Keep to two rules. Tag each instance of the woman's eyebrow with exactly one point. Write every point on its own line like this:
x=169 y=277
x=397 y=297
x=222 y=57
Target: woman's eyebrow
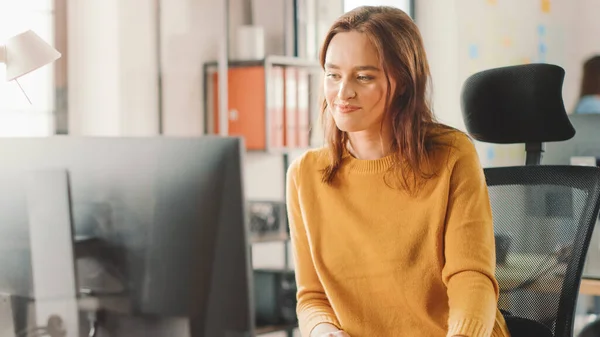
x=360 y=68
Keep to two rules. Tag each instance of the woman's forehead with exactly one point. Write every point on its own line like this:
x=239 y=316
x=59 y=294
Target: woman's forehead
x=351 y=49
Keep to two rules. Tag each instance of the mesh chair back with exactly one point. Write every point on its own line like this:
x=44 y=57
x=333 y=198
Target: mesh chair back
x=543 y=220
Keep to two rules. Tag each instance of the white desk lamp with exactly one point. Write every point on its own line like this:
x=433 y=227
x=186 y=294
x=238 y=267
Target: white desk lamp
x=25 y=53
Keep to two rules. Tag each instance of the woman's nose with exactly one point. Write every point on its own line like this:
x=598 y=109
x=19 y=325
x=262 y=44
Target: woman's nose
x=346 y=91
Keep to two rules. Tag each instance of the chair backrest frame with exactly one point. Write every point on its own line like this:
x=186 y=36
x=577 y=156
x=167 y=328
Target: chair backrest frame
x=577 y=177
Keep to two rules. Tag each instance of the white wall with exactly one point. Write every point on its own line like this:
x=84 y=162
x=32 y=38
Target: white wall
x=112 y=69
x=437 y=20
x=138 y=68
x=189 y=38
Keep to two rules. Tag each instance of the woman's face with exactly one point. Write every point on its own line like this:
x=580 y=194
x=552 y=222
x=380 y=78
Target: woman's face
x=355 y=85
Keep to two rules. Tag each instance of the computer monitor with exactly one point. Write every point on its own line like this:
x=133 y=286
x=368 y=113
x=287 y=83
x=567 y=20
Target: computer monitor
x=166 y=215
x=586 y=142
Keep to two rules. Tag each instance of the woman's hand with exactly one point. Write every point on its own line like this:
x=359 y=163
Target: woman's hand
x=328 y=330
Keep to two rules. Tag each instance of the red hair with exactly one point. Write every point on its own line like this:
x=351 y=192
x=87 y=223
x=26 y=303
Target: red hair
x=402 y=55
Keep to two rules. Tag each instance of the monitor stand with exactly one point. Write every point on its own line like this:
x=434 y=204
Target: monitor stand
x=7 y=323
x=52 y=252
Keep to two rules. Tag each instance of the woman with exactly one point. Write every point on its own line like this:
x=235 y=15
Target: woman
x=589 y=100
x=391 y=223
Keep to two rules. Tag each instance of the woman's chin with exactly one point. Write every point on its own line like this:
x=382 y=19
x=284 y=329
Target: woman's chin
x=349 y=128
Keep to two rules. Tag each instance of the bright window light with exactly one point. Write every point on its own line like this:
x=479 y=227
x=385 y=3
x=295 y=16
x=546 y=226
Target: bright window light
x=17 y=116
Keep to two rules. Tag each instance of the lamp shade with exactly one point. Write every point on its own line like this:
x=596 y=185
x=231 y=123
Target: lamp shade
x=26 y=52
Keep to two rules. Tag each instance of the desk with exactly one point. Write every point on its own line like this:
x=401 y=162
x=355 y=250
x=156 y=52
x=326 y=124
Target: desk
x=590 y=286
x=511 y=274
x=288 y=328
x=520 y=267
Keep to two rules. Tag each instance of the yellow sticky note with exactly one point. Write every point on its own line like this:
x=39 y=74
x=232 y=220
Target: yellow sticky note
x=507 y=42
x=546 y=6
x=491 y=2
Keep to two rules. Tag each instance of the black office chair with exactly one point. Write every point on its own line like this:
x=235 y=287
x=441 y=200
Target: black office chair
x=543 y=215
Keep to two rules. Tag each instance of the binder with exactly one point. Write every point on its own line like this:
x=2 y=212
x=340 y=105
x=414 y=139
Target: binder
x=291 y=107
x=304 y=123
x=276 y=108
x=246 y=115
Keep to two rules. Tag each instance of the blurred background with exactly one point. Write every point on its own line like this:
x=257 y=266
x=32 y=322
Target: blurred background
x=156 y=68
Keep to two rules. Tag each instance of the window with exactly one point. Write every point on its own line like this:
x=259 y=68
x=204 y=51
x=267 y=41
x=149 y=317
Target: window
x=17 y=116
x=405 y=5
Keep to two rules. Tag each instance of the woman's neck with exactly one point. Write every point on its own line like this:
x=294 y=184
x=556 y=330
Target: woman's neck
x=368 y=145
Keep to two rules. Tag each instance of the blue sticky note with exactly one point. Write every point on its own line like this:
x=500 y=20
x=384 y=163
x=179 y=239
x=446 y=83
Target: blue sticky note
x=490 y=153
x=542 y=30
x=473 y=51
x=543 y=48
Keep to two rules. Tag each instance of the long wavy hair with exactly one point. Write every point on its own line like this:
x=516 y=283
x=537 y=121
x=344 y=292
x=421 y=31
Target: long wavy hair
x=402 y=55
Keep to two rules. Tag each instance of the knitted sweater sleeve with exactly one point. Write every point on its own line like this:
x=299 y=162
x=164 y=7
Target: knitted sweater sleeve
x=469 y=249
x=313 y=305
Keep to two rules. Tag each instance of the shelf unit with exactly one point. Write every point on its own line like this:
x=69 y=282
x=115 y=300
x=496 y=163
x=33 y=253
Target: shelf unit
x=282 y=236
x=260 y=92
x=267 y=89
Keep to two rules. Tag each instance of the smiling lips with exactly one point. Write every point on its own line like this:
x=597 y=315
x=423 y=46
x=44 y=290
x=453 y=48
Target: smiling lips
x=346 y=108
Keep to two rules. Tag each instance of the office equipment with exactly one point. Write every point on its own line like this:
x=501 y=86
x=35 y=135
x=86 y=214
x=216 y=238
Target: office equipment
x=51 y=243
x=167 y=216
x=548 y=211
x=275 y=294
x=7 y=327
x=585 y=143
x=268 y=220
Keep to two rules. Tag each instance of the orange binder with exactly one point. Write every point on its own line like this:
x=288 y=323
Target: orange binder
x=246 y=115
x=249 y=109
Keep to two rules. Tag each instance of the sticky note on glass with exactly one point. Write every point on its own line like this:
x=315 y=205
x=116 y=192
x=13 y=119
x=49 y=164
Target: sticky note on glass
x=546 y=7
x=541 y=30
x=473 y=51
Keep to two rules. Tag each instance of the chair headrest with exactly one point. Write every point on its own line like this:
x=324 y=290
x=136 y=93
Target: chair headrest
x=516 y=104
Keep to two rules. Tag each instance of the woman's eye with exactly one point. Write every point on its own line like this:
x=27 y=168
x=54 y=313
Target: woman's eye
x=333 y=76
x=365 y=78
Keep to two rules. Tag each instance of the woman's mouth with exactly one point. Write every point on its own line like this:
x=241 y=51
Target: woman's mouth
x=346 y=108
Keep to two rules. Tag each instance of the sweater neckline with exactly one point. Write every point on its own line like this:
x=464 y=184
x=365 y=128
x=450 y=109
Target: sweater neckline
x=369 y=165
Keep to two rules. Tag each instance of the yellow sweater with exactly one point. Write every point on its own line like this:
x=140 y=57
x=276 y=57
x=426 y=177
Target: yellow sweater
x=376 y=262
